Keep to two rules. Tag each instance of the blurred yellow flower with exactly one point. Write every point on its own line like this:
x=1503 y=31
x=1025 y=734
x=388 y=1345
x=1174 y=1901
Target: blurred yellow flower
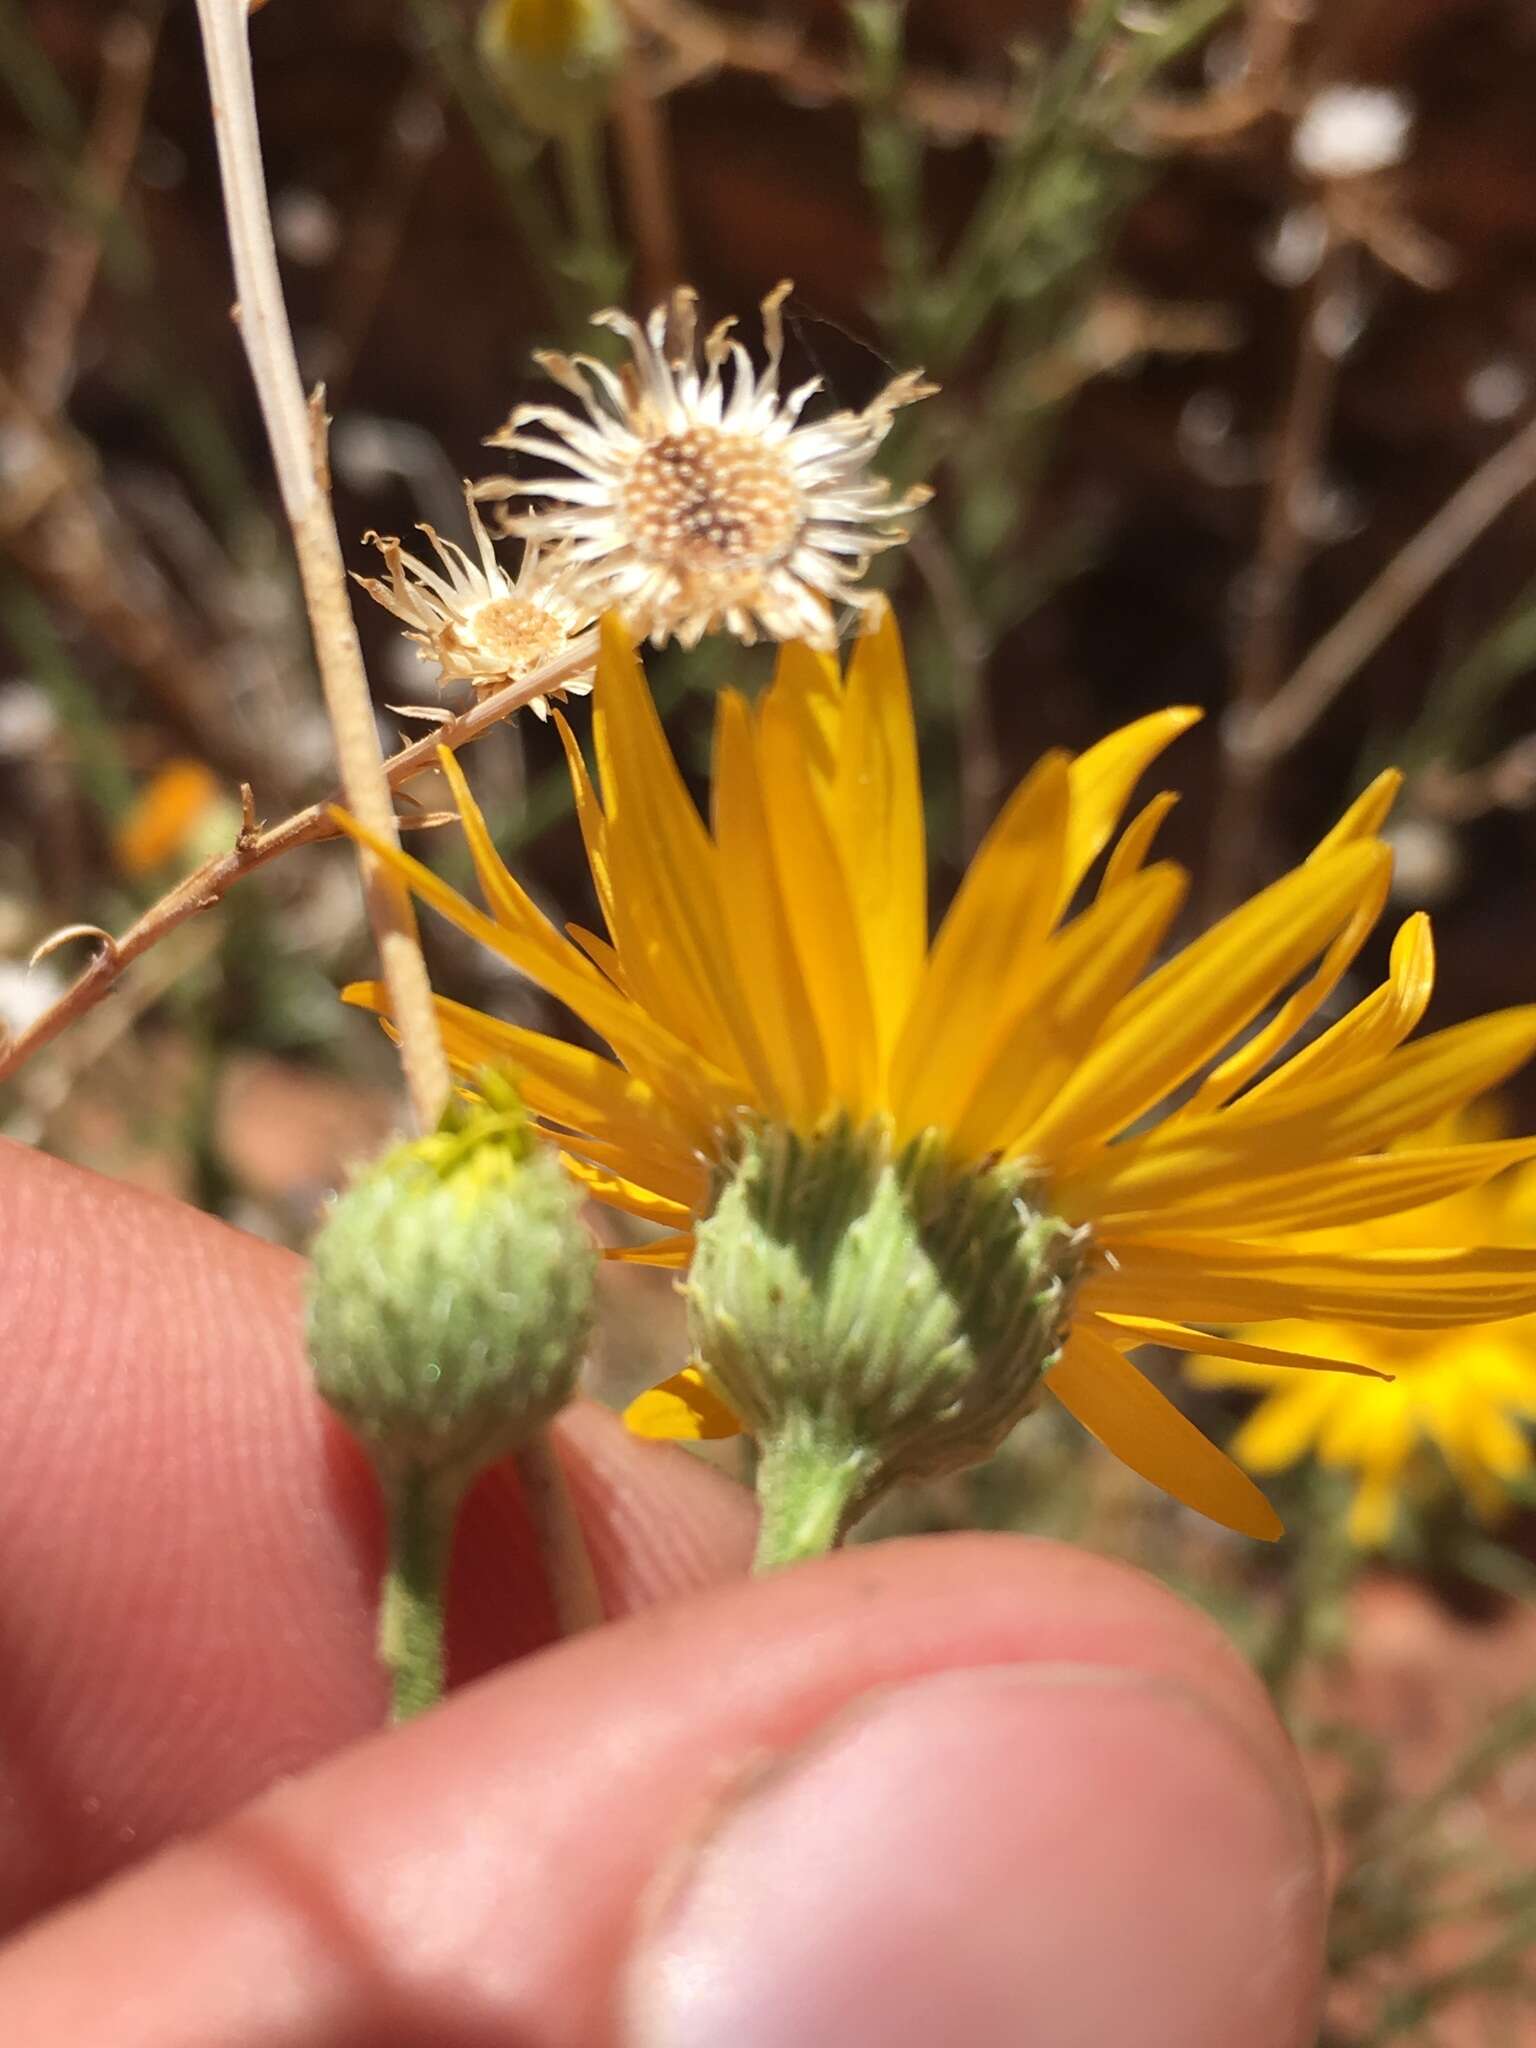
x=1459 y=1398
x=165 y=816
x=774 y=969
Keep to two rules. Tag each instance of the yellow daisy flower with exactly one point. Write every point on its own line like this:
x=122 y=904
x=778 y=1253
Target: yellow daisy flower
x=767 y=984
x=1464 y=1393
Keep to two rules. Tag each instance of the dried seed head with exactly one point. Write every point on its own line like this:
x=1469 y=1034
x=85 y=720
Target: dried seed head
x=695 y=496
x=480 y=624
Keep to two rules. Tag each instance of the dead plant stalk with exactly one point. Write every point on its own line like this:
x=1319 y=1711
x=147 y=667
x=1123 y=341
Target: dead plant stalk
x=296 y=433
x=212 y=881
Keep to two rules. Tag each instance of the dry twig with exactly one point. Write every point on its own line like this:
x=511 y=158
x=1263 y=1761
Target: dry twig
x=253 y=848
x=645 y=159
x=1264 y=649
x=697 y=42
x=296 y=432
x=1262 y=87
x=1414 y=571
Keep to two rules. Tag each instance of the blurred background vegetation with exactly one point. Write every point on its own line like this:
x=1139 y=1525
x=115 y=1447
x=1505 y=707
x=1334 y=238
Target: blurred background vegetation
x=1227 y=419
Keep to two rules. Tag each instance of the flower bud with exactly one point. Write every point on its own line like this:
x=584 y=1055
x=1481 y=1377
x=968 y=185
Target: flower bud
x=873 y=1314
x=452 y=1291
x=555 y=61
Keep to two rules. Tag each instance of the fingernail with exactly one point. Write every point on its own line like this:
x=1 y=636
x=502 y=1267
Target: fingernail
x=1058 y=1856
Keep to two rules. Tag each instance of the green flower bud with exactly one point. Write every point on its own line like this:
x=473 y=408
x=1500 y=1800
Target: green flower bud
x=452 y=1291
x=555 y=61
x=873 y=1315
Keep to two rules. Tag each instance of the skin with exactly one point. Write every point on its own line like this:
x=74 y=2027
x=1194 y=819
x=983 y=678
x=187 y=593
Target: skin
x=975 y=1788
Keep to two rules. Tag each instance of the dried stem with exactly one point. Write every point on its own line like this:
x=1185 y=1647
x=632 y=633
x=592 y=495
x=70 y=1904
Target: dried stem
x=650 y=192
x=1506 y=783
x=1264 y=651
x=1262 y=87
x=296 y=434
x=697 y=41
x=208 y=884
x=1417 y=567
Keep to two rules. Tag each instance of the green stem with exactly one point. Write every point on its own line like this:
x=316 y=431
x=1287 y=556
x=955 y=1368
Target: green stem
x=595 y=258
x=809 y=1491
x=422 y=1508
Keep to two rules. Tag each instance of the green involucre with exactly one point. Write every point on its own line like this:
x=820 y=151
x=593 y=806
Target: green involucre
x=880 y=1309
x=451 y=1292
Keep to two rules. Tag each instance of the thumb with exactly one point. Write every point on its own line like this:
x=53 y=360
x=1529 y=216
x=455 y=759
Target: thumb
x=967 y=1789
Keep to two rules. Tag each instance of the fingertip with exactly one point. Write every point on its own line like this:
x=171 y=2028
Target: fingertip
x=1062 y=1853
x=493 y=1863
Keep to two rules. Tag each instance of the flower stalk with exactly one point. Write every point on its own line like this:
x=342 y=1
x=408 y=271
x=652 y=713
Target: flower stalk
x=421 y=1507
x=450 y=1300
x=809 y=1489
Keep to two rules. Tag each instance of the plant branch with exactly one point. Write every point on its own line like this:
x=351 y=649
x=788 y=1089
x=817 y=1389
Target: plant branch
x=212 y=881
x=296 y=433
x=1264 y=650
x=650 y=188
x=1414 y=571
x=696 y=41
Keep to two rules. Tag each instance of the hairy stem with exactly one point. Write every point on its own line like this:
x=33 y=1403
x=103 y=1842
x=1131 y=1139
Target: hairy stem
x=422 y=1509
x=809 y=1492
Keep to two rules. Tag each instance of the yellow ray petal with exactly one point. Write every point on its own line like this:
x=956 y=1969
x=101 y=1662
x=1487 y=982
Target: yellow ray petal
x=991 y=939
x=1189 y=1008
x=1211 y=1280
x=879 y=812
x=683 y=1409
x=1180 y=1337
x=601 y=954
x=1327 y=1196
x=1365 y=816
x=528 y=939
x=508 y=901
x=668 y=925
x=672 y=1254
x=1135 y=842
x=1345 y=1114
x=1102 y=781
x=589 y=815
x=1141 y=1426
x=819 y=906
x=807 y=677
x=1236 y=1071
x=619 y=1192
x=1083 y=973
x=757 y=929
x=569 y=1085
x=1373 y=1028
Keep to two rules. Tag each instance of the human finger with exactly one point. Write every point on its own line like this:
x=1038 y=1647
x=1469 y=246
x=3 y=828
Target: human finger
x=970 y=1789
x=190 y=1544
